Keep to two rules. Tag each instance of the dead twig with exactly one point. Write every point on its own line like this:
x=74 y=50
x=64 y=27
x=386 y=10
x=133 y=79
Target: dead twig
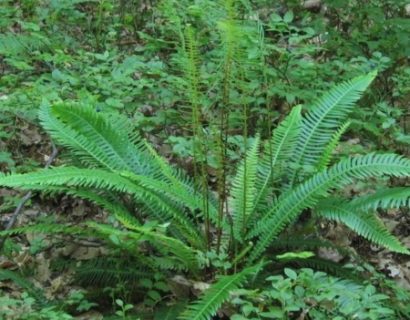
x=26 y=197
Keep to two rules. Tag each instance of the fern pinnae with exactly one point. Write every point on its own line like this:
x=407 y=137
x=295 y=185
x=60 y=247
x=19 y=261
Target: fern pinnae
x=162 y=243
x=106 y=201
x=384 y=199
x=217 y=294
x=94 y=139
x=107 y=181
x=307 y=194
x=48 y=228
x=110 y=204
x=364 y=224
x=327 y=114
x=109 y=271
x=22 y=281
x=326 y=157
x=15 y=44
x=105 y=149
x=279 y=151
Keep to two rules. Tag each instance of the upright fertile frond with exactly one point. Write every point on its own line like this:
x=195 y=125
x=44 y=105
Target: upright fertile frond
x=191 y=68
x=384 y=199
x=365 y=224
x=307 y=194
x=191 y=71
x=169 y=9
x=278 y=152
x=216 y=295
x=326 y=157
x=92 y=137
x=244 y=190
x=324 y=117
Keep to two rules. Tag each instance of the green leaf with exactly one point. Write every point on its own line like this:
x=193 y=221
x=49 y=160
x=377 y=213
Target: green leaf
x=288 y=17
x=290 y=273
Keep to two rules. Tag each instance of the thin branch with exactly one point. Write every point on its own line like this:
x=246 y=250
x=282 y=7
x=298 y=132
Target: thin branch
x=26 y=197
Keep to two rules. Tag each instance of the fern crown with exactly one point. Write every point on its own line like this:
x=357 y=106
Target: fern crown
x=276 y=181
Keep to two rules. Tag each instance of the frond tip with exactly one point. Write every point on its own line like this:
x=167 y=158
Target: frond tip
x=216 y=295
x=368 y=225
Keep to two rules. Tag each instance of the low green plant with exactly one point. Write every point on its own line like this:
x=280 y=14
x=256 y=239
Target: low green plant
x=314 y=295
x=24 y=308
x=123 y=308
x=32 y=307
x=155 y=204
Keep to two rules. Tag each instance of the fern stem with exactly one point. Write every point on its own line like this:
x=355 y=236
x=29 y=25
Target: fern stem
x=199 y=153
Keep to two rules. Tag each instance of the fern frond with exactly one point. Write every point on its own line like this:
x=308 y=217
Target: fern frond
x=324 y=117
x=306 y=243
x=325 y=159
x=183 y=187
x=163 y=243
x=96 y=140
x=110 y=271
x=69 y=176
x=216 y=295
x=22 y=282
x=278 y=152
x=383 y=199
x=365 y=224
x=12 y=44
x=307 y=194
x=328 y=266
x=158 y=204
x=244 y=190
x=46 y=228
x=119 y=211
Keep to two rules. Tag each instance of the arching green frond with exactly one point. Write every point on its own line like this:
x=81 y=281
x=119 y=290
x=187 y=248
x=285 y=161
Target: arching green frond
x=244 y=190
x=365 y=224
x=384 y=199
x=69 y=177
x=324 y=117
x=176 y=192
x=109 y=203
x=22 y=282
x=95 y=139
x=183 y=186
x=158 y=203
x=326 y=157
x=163 y=243
x=278 y=153
x=216 y=295
x=109 y=272
x=306 y=195
x=45 y=228
x=328 y=266
x=12 y=44
x=305 y=243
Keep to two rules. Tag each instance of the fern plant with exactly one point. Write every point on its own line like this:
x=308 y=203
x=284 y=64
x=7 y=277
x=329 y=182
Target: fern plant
x=275 y=183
